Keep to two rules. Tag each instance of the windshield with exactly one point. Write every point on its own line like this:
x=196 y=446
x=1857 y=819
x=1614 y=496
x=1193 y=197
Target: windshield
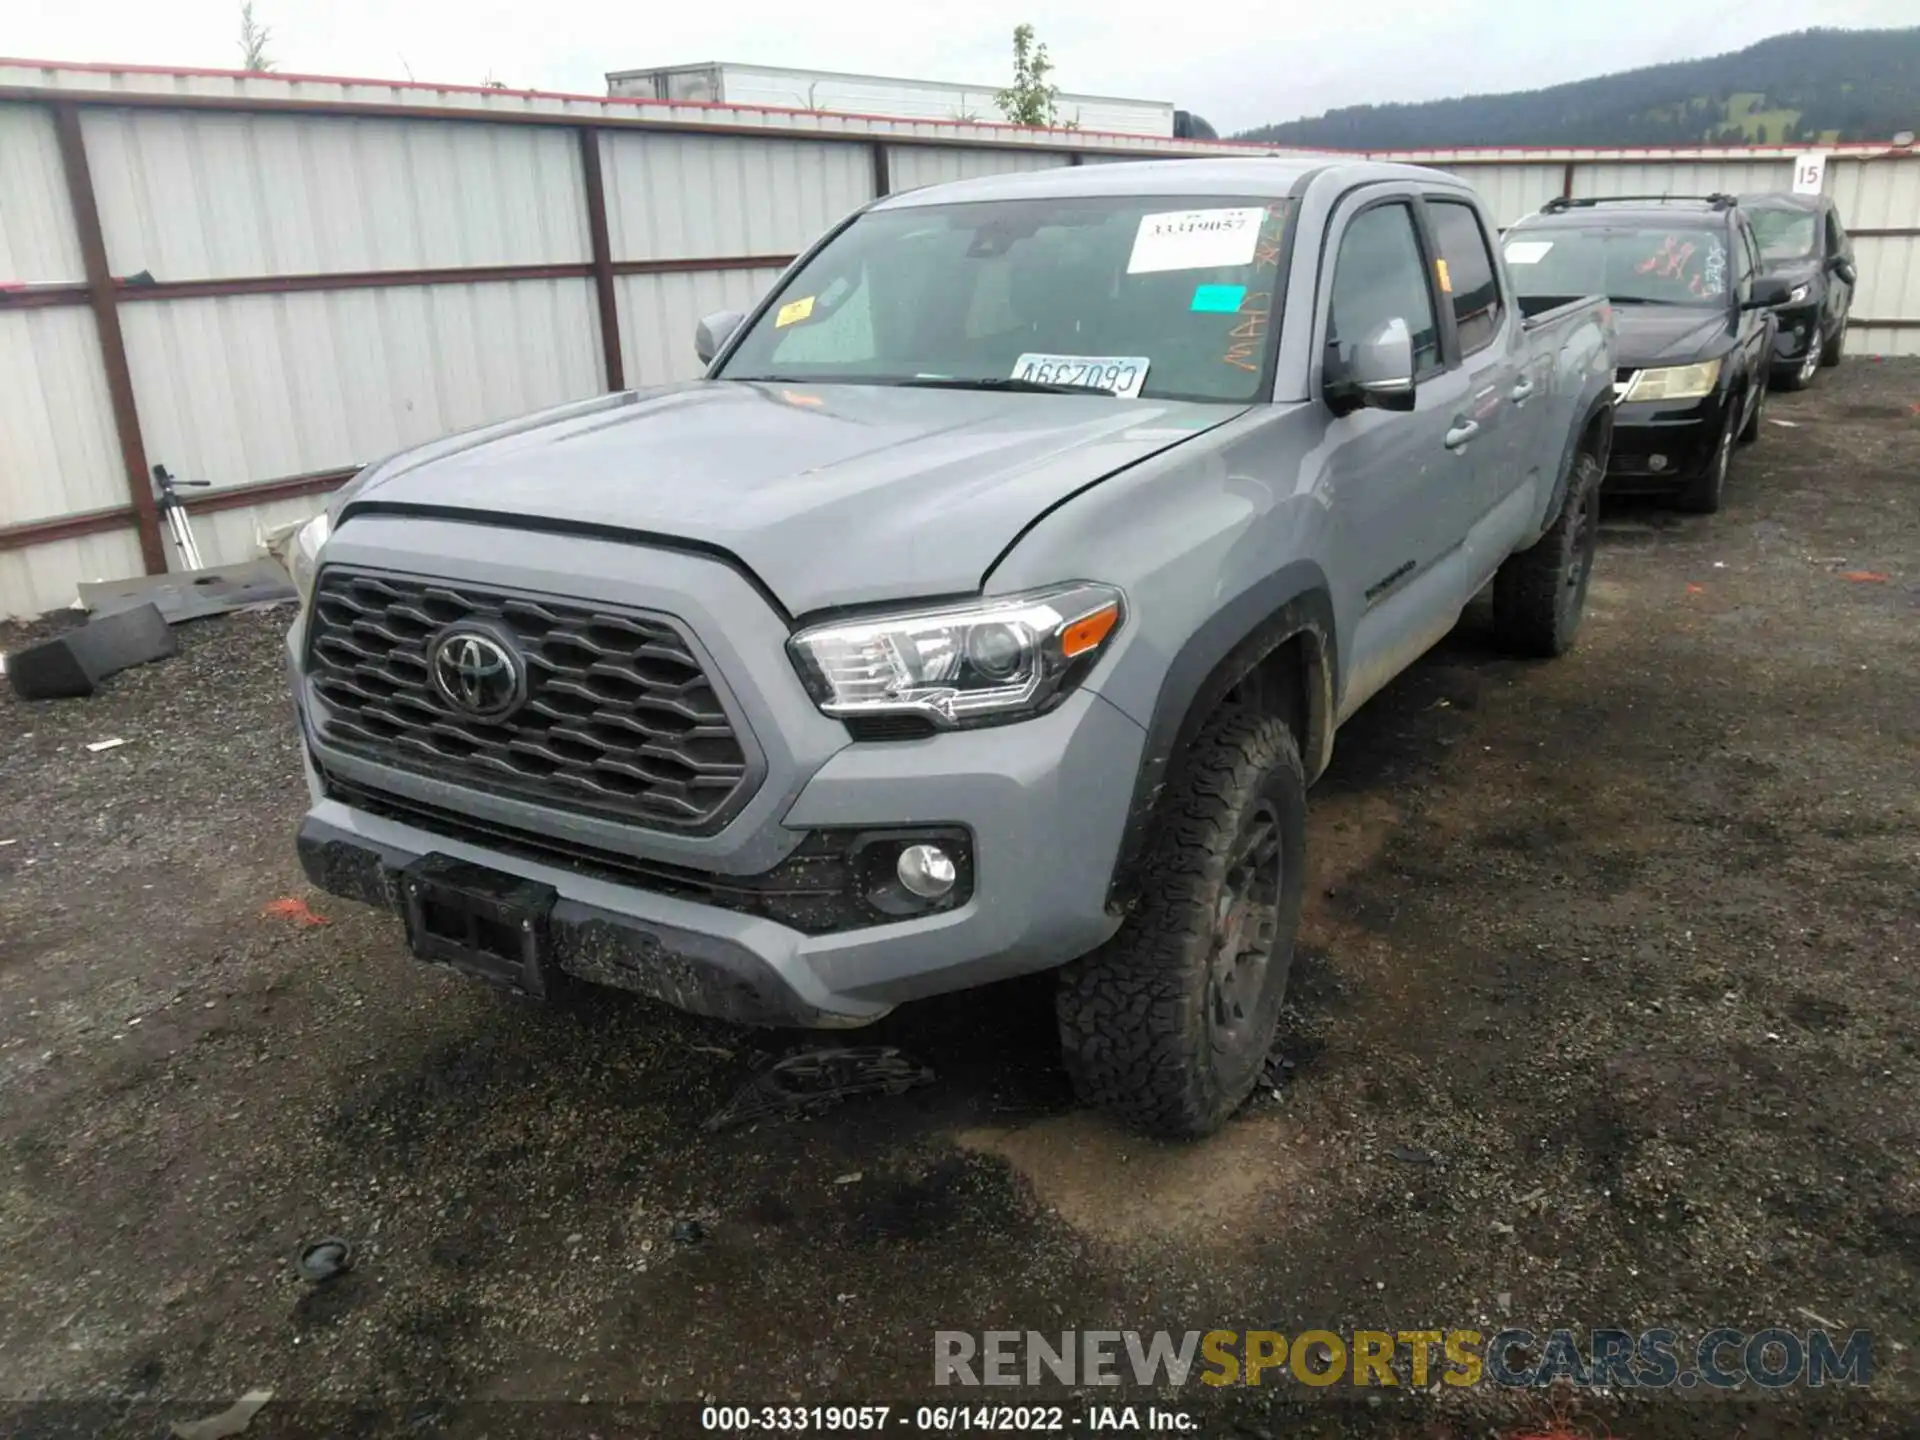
x=1786 y=234
x=1167 y=297
x=1663 y=266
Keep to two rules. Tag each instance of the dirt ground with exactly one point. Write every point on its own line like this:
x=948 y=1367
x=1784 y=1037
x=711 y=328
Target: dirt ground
x=1606 y=1017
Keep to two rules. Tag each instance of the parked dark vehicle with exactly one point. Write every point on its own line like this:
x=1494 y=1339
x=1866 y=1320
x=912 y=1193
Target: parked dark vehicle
x=1695 y=323
x=1803 y=243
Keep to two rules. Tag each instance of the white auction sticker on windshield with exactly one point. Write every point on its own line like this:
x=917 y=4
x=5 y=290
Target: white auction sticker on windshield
x=1122 y=374
x=1527 y=252
x=1195 y=239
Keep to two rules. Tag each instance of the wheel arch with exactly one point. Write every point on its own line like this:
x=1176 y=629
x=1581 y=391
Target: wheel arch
x=1592 y=436
x=1272 y=648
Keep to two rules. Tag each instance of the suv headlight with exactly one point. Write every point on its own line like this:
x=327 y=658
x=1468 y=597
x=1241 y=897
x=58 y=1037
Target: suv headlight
x=1674 y=382
x=976 y=663
x=303 y=554
x=1799 y=293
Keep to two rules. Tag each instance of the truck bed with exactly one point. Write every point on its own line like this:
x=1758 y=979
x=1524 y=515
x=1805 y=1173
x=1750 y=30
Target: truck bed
x=1541 y=310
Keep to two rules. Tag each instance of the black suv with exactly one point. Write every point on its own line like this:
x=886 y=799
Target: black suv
x=1696 y=326
x=1803 y=242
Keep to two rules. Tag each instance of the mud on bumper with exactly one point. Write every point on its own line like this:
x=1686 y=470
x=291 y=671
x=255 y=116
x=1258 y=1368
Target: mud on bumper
x=706 y=974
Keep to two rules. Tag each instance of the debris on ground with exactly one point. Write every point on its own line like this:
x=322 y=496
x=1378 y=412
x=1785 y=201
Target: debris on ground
x=687 y=1232
x=1278 y=1070
x=292 y=907
x=231 y=1421
x=1411 y=1155
x=98 y=745
x=1864 y=577
x=325 y=1259
x=71 y=665
x=813 y=1080
x=852 y=1177
x=183 y=595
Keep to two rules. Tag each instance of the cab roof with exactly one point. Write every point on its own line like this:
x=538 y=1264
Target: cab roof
x=1261 y=177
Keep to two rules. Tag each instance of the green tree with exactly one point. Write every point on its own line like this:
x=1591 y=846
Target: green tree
x=1031 y=98
x=253 y=42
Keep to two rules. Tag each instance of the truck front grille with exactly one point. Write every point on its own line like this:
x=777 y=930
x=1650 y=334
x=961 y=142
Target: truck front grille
x=619 y=718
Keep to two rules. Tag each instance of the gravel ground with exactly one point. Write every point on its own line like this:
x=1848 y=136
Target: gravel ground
x=1605 y=1018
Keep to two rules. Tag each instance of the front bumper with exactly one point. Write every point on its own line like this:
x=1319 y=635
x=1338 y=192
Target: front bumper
x=1042 y=804
x=1661 y=444
x=1796 y=332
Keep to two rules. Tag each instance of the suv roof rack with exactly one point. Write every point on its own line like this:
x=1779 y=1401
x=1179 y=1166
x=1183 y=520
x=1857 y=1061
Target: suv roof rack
x=1561 y=203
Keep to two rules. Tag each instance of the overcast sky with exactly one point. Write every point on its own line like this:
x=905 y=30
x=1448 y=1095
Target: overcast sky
x=1238 y=62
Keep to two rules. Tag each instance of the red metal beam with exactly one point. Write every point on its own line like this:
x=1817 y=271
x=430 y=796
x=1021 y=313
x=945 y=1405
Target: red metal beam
x=603 y=288
x=113 y=345
x=64 y=527
x=288 y=487
x=128 y=292
x=125 y=292
x=145 y=100
x=36 y=297
x=117 y=517
x=722 y=262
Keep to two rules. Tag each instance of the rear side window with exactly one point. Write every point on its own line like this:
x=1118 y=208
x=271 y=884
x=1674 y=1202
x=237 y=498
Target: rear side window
x=1476 y=292
x=1379 y=275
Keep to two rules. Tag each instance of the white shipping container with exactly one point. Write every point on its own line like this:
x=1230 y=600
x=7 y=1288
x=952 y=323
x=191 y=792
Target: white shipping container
x=772 y=86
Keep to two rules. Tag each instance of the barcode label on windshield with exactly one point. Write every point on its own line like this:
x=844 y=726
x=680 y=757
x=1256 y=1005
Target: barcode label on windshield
x=1122 y=374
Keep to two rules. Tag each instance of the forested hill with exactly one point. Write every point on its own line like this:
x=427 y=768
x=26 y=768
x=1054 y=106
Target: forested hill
x=1811 y=86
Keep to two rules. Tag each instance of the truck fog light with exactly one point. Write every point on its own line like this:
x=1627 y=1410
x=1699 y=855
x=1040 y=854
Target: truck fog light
x=926 y=871
x=1656 y=463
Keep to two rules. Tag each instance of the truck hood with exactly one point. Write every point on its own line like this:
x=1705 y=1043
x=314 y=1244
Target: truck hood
x=830 y=494
x=1667 y=335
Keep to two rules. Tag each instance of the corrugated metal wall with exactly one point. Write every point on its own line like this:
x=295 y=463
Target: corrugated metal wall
x=914 y=166
x=311 y=274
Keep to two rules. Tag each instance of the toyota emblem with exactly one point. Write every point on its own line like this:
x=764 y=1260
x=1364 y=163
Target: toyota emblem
x=476 y=673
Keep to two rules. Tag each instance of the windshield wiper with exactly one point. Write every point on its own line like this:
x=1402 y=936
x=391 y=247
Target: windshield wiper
x=1032 y=387
x=1646 y=300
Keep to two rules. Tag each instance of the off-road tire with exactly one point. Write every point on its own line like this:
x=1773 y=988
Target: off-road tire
x=1703 y=494
x=1138 y=1032
x=1540 y=593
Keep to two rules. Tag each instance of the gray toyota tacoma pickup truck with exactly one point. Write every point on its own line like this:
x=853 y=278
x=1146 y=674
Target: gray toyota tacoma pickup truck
x=988 y=607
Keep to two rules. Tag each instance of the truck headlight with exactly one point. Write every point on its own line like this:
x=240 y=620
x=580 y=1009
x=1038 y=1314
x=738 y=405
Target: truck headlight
x=1674 y=382
x=303 y=554
x=975 y=663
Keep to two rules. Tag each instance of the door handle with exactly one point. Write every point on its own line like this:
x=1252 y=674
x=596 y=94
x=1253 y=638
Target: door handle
x=1522 y=391
x=1461 y=433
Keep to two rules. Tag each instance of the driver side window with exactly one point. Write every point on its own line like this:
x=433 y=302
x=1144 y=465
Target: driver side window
x=1379 y=275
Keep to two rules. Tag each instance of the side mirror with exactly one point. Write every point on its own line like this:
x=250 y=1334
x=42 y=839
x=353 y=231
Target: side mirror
x=1843 y=267
x=1769 y=291
x=1377 y=371
x=713 y=332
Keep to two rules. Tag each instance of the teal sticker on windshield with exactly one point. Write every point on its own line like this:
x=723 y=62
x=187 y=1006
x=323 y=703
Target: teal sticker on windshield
x=1218 y=299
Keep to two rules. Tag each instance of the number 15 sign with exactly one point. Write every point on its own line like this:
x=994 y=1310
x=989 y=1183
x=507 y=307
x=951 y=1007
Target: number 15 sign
x=1809 y=173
